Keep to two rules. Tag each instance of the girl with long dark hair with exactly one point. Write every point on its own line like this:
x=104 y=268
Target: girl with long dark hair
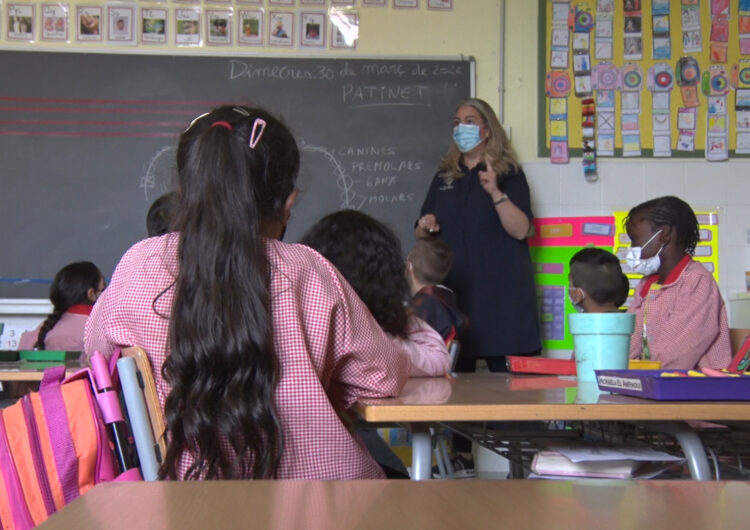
x=368 y=254
x=73 y=292
x=258 y=347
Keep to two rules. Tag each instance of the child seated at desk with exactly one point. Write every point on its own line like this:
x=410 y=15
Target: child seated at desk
x=73 y=292
x=596 y=282
x=680 y=317
x=258 y=348
x=427 y=265
x=368 y=254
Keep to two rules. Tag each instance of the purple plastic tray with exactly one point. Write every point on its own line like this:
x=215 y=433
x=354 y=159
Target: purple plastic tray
x=649 y=384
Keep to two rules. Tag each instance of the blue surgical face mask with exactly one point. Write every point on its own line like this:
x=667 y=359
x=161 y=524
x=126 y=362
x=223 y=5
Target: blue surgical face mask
x=466 y=136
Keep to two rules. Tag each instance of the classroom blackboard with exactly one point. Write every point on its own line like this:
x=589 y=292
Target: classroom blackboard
x=87 y=142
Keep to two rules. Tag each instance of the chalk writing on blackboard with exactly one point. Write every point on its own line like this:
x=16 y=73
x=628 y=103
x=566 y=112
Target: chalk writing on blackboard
x=155 y=178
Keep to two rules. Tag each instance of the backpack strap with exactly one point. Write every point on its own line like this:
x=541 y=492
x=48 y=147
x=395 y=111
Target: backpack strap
x=60 y=438
x=19 y=511
x=52 y=376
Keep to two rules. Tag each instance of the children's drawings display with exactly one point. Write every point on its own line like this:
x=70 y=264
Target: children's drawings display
x=661 y=78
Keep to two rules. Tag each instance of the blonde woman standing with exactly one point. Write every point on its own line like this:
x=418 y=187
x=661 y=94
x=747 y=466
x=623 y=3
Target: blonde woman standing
x=479 y=204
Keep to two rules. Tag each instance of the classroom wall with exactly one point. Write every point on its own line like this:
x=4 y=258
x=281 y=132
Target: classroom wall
x=561 y=190
x=471 y=28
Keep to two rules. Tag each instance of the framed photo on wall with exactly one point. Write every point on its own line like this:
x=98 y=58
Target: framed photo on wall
x=218 y=27
x=344 y=30
x=55 y=22
x=153 y=26
x=121 y=24
x=20 y=22
x=89 y=23
x=312 y=29
x=187 y=26
x=281 y=29
x=250 y=27
x=439 y=4
x=406 y=4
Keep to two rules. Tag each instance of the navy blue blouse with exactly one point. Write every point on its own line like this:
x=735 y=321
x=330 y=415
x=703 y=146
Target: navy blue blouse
x=491 y=274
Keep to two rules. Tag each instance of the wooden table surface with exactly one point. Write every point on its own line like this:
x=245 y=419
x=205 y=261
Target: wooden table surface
x=405 y=504
x=31 y=370
x=499 y=397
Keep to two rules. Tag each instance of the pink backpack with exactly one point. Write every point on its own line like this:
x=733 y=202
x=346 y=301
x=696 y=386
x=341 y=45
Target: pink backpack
x=54 y=446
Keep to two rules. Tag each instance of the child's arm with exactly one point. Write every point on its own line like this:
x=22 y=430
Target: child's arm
x=108 y=327
x=426 y=348
x=366 y=362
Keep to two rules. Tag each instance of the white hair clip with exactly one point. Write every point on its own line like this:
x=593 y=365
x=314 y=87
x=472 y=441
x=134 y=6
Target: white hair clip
x=259 y=125
x=240 y=110
x=195 y=120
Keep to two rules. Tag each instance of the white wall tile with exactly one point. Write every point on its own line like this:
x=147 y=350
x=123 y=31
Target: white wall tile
x=737 y=183
x=706 y=190
x=734 y=222
x=733 y=279
x=575 y=189
x=580 y=210
x=622 y=184
x=546 y=209
x=663 y=178
x=544 y=182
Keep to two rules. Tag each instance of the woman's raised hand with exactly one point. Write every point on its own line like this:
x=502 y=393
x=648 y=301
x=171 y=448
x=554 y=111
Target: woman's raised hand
x=488 y=179
x=427 y=224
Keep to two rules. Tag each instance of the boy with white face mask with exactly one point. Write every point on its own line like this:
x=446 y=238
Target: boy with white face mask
x=596 y=282
x=680 y=317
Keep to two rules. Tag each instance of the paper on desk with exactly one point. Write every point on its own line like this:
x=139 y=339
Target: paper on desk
x=594 y=453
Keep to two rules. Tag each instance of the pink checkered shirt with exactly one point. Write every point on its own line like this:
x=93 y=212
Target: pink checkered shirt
x=686 y=320
x=331 y=351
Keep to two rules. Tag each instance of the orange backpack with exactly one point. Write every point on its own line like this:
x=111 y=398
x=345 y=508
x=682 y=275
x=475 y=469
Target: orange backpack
x=54 y=447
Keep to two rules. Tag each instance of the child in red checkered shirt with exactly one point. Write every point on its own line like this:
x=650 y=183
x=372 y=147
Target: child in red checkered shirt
x=680 y=317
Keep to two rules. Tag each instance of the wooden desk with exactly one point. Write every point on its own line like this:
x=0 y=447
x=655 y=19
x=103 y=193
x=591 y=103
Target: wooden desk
x=508 y=397
x=31 y=371
x=405 y=504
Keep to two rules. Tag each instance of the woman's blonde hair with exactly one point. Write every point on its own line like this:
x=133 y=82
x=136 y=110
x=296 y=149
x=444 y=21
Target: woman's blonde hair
x=498 y=146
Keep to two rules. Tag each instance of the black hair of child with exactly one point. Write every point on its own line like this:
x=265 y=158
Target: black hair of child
x=673 y=212
x=431 y=259
x=598 y=272
x=160 y=213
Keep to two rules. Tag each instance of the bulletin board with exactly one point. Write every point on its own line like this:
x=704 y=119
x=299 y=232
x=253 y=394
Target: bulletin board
x=556 y=239
x=648 y=78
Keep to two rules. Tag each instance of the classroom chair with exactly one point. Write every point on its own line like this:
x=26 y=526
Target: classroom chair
x=144 y=411
x=454 y=347
x=442 y=456
x=737 y=337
